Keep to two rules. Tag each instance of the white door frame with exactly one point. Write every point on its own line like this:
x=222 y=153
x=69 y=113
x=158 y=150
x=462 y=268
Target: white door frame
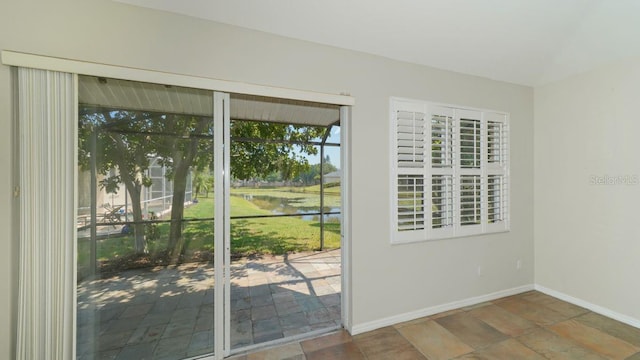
x=345 y=228
x=221 y=236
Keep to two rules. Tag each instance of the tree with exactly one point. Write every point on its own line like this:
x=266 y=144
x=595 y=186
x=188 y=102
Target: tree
x=312 y=175
x=118 y=150
x=129 y=140
x=186 y=144
x=284 y=152
x=183 y=145
x=202 y=181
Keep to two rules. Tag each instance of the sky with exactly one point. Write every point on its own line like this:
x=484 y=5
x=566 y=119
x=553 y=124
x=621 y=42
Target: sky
x=332 y=151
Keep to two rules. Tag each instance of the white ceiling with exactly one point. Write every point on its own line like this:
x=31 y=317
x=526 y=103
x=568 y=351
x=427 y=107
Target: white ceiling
x=529 y=42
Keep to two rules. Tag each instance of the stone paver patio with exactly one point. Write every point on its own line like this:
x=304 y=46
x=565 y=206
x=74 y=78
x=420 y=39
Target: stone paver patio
x=167 y=312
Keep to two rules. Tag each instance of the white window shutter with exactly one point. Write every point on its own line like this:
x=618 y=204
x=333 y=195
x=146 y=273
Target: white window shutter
x=411 y=151
x=497 y=168
x=450 y=171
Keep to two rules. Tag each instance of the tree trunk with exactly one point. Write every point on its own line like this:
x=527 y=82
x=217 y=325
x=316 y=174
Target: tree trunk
x=176 y=240
x=140 y=243
x=133 y=187
x=182 y=161
x=134 y=190
x=195 y=197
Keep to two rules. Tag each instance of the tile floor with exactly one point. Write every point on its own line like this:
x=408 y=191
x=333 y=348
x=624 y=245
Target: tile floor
x=167 y=313
x=526 y=326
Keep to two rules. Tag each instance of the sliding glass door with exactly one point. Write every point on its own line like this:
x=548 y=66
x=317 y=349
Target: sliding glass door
x=172 y=262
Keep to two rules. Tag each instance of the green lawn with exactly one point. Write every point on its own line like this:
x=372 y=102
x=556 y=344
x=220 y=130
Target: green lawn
x=248 y=236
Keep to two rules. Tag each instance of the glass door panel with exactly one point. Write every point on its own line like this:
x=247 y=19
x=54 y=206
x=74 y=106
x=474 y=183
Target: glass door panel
x=285 y=267
x=145 y=221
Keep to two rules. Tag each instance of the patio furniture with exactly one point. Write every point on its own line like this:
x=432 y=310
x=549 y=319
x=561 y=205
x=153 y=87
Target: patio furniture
x=112 y=213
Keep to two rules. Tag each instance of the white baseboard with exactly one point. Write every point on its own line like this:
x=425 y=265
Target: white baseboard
x=587 y=305
x=396 y=319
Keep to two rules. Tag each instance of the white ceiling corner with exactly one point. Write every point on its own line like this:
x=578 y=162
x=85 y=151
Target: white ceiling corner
x=528 y=42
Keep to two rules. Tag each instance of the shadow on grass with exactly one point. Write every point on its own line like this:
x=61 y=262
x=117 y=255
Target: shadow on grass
x=249 y=238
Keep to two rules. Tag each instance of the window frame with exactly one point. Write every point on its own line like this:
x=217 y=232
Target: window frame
x=442 y=171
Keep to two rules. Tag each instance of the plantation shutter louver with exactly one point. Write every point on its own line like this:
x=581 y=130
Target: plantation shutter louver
x=470 y=139
x=470 y=202
x=410 y=135
x=441 y=201
x=495 y=142
x=496 y=199
x=441 y=141
x=410 y=202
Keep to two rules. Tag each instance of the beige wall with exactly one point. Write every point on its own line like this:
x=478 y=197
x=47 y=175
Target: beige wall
x=387 y=280
x=586 y=234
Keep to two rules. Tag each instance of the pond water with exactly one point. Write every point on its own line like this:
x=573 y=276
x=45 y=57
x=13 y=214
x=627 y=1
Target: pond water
x=278 y=205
